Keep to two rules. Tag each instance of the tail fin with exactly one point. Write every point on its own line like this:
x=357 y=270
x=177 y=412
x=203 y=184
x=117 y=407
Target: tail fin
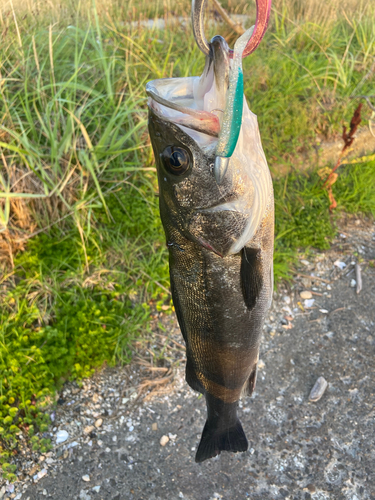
x=213 y=441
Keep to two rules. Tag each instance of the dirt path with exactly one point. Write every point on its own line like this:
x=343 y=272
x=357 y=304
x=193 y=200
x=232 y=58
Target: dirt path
x=298 y=450
x=327 y=152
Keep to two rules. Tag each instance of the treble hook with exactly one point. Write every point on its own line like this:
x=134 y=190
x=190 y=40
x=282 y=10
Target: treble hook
x=261 y=23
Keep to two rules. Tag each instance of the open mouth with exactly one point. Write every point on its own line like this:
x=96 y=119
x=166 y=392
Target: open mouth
x=196 y=103
x=176 y=100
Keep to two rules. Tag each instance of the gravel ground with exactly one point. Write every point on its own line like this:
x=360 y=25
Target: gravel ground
x=131 y=433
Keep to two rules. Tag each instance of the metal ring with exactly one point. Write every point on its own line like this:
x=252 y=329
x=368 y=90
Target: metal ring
x=261 y=23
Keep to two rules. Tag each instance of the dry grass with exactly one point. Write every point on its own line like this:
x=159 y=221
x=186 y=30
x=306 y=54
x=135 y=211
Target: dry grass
x=23 y=215
x=321 y=12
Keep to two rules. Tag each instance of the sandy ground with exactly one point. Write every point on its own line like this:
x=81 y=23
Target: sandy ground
x=298 y=449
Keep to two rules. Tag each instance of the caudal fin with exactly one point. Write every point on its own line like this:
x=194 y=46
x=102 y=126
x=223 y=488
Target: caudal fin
x=214 y=441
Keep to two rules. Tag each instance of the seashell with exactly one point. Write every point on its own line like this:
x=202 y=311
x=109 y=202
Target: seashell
x=318 y=390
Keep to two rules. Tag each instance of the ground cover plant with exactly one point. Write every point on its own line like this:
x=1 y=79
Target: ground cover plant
x=82 y=252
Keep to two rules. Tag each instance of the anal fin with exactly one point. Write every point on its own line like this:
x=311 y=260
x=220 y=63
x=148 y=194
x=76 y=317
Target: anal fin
x=251 y=381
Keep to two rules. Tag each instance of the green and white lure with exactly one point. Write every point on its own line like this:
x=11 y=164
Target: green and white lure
x=232 y=120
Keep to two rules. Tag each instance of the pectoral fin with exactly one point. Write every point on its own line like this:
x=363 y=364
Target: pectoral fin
x=251 y=275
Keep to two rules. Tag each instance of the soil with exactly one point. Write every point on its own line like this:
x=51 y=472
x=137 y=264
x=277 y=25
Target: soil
x=297 y=449
x=326 y=152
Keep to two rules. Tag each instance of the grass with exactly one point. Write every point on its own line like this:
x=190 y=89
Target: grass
x=302 y=217
x=83 y=254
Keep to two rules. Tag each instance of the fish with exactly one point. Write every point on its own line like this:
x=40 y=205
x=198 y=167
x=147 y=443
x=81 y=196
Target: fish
x=217 y=209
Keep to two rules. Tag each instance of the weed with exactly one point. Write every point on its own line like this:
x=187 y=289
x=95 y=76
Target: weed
x=60 y=320
x=348 y=139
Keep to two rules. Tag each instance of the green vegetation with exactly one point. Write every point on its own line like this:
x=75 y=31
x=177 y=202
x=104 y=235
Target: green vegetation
x=302 y=216
x=59 y=319
x=82 y=249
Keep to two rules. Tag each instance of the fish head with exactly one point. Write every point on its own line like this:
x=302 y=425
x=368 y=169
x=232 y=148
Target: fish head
x=185 y=120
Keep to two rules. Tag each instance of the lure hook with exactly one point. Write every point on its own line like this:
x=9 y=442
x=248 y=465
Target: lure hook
x=261 y=23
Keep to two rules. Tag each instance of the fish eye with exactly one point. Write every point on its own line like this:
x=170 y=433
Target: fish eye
x=176 y=160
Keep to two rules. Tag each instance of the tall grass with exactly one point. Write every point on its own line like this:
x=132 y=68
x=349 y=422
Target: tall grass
x=72 y=98
x=66 y=117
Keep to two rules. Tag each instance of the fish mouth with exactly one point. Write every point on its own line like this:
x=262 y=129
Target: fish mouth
x=195 y=103
x=173 y=100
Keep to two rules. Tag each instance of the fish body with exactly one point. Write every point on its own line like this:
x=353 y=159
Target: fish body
x=219 y=234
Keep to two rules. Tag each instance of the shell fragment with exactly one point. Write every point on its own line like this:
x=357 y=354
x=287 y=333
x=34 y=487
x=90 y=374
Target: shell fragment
x=61 y=436
x=358 y=278
x=318 y=390
x=309 y=303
